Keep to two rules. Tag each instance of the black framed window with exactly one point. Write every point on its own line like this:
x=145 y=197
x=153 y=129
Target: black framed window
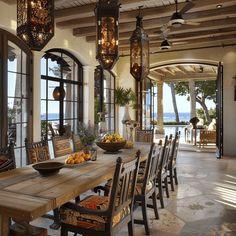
x=104 y=87
x=16 y=94
x=147 y=98
x=60 y=68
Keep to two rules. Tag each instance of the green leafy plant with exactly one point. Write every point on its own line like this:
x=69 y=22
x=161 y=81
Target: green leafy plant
x=87 y=133
x=124 y=96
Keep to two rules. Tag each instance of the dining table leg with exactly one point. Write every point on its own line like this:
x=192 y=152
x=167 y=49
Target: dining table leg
x=4 y=225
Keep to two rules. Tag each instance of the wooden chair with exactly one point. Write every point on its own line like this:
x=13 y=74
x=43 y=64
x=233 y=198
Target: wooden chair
x=104 y=215
x=172 y=161
x=146 y=187
x=207 y=137
x=144 y=136
x=37 y=151
x=77 y=145
x=162 y=172
x=7 y=158
x=61 y=146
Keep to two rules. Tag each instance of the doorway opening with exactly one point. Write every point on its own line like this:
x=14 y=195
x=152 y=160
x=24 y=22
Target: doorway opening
x=190 y=90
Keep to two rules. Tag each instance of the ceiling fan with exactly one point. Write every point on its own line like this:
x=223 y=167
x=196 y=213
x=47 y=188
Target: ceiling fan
x=177 y=18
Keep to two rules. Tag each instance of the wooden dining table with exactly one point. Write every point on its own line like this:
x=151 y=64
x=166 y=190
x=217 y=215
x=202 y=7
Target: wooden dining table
x=26 y=195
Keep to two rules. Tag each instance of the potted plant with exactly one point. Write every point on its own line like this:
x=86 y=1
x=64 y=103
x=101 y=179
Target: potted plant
x=125 y=97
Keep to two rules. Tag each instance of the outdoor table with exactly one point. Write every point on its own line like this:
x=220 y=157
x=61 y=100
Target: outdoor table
x=25 y=195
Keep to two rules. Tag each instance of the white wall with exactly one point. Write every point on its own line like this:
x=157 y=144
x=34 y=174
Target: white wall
x=226 y=55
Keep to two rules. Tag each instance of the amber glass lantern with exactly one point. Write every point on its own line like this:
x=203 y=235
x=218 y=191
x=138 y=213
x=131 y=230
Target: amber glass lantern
x=107 y=20
x=139 y=52
x=35 y=22
x=58 y=93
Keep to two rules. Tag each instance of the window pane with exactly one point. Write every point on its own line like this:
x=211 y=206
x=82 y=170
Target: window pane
x=53 y=110
x=24 y=86
x=11 y=84
x=43 y=89
x=54 y=70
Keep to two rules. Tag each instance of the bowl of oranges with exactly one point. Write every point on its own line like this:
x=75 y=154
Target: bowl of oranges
x=111 y=143
x=77 y=158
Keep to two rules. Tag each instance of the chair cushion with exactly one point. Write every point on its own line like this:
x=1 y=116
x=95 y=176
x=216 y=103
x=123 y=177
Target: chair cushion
x=3 y=159
x=139 y=185
x=90 y=221
x=38 y=154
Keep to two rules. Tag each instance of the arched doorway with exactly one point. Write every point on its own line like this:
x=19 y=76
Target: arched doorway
x=195 y=70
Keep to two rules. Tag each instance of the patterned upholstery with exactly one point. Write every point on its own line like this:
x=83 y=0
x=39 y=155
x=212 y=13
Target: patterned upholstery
x=38 y=154
x=7 y=158
x=61 y=146
x=90 y=221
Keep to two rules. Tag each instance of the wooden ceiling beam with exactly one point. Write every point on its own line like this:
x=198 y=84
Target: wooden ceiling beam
x=199 y=16
x=180 y=38
x=154 y=48
x=156 y=23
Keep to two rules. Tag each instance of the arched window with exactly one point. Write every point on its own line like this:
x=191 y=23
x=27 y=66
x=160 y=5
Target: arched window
x=15 y=95
x=104 y=86
x=60 y=69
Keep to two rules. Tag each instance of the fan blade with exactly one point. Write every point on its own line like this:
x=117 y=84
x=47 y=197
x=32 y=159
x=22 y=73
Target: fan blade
x=187 y=7
x=187 y=22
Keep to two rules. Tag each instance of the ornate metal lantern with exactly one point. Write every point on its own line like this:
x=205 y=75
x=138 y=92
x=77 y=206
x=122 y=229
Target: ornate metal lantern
x=35 y=22
x=107 y=20
x=139 y=52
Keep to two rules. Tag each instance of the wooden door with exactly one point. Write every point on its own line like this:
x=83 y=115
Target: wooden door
x=219 y=112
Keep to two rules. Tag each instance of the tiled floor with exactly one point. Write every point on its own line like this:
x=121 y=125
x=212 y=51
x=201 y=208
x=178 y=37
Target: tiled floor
x=203 y=204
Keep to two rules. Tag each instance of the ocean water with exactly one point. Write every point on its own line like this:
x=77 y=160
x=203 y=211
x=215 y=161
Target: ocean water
x=168 y=116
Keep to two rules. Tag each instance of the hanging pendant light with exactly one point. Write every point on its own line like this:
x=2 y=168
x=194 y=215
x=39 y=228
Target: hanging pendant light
x=139 y=51
x=35 y=22
x=107 y=20
x=58 y=93
x=165 y=45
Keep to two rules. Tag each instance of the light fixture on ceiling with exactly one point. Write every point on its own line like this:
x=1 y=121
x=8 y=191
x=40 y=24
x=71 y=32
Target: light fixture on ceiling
x=165 y=45
x=35 y=22
x=219 y=6
x=139 y=51
x=177 y=18
x=107 y=21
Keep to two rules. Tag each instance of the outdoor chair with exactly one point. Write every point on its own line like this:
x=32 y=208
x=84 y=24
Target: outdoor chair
x=146 y=187
x=104 y=215
x=162 y=172
x=7 y=158
x=61 y=146
x=172 y=161
x=37 y=152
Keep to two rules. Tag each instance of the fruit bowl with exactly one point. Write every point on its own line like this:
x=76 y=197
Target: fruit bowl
x=111 y=147
x=48 y=168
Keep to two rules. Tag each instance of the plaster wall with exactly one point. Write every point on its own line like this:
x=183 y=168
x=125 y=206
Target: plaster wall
x=225 y=55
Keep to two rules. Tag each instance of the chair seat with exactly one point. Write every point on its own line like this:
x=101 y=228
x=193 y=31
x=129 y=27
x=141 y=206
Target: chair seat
x=90 y=221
